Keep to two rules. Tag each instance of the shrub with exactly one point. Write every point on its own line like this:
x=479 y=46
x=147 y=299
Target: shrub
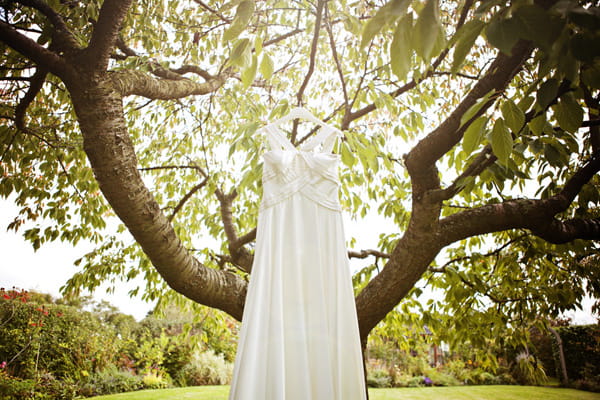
x=439 y=378
x=379 y=378
x=590 y=379
x=48 y=338
x=207 y=368
x=111 y=380
x=581 y=349
x=400 y=379
x=528 y=371
x=416 y=381
x=13 y=388
x=155 y=380
x=178 y=354
x=45 y=388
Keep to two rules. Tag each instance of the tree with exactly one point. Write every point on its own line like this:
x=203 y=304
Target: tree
x=156 y=104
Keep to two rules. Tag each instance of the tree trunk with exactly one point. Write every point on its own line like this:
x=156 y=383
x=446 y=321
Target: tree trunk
x=561 y=355
x=112 y=156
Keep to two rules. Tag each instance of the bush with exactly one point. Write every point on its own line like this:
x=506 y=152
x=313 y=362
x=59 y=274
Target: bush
x=48 y=338
x=379 y=378
x=439 y=378
x=12 y=388
x=528 y=371
x=206 y=368
x=111 y=380
x=155 y=380
x=581 y=349
x=400 y=379
x=590 y=380
x=45 y=388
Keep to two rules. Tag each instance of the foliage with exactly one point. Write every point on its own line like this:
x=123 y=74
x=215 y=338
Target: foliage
x=581 y=344
x=111 y=380
x=207 y=368
x=57 y=351
x=448 y=393
x=45 y=337
x=378 y=378
x=470 y=125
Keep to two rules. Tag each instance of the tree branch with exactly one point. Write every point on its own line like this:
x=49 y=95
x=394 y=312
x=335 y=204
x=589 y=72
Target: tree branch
x=141 y=84
x=239 y=255
x=282 y=37
x=212 y=11
x=313 y=53
x=106 y=32
x=175 y=167
x=338 y=65
x=537 y=215
x=37 y=82
x=566 y=231
x=449 y=133
x=367 y=253
x=32 y=50
x=351 y=116
x=483 y=160
x=494 y=252
x=185 y=198
x=63 y=37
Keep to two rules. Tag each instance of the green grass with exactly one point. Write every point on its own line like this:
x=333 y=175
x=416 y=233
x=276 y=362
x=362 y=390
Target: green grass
x=430 y=393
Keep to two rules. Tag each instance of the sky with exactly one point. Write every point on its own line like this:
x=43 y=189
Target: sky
x=48 y=268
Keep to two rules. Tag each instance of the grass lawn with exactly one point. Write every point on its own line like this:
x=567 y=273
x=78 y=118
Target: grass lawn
x=430 y=393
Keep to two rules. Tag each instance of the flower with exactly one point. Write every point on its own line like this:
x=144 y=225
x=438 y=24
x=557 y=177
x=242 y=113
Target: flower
x=3 y=364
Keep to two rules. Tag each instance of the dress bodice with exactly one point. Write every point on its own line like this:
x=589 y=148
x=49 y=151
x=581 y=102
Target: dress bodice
x=288 y=170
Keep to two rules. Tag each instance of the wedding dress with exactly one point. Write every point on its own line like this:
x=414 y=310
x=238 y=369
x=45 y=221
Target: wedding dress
x=299 y=338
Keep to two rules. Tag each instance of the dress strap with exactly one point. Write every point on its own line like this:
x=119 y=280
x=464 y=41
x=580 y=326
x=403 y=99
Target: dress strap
x=276 y=138
x=326 y=136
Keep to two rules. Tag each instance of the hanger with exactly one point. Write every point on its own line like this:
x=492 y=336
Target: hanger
x=301 y=112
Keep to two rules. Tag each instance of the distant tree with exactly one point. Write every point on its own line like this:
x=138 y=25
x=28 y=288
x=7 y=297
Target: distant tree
x=472 y=125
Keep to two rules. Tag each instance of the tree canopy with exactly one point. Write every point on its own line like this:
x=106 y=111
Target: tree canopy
x=472 y=125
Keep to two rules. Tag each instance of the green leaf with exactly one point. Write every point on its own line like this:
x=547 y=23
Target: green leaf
x=536 y=24
x=585 y=18
x=249 y=73
x=427 y=29
x=464 y=39
x=242 y=16
x=258 y=45
x=266 y=67
x=591 y=76
x=400 y=48
x=525 y=103
x=475 y=108
x=568 y=113
x=552 y=154
x=241 y=55
x=373 y=26
x=537 y=124
x=513 y=115
x=585 y=46
x=347 y=156
x=474 y=135
x=502 y=34
x=547 y=93
x=502 y=141
x=387 y=13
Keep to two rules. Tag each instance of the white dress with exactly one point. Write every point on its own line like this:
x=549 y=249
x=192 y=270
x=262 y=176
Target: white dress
x=299 y=338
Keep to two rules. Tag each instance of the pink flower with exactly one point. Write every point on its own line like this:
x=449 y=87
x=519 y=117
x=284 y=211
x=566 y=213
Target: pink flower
x=3 y=364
